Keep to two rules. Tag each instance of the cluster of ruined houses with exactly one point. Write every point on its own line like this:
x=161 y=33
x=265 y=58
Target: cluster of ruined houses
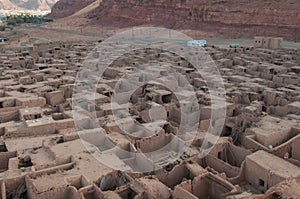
x=41 y=155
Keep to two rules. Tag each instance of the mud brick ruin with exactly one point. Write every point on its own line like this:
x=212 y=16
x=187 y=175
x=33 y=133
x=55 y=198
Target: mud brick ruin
x=42 y=157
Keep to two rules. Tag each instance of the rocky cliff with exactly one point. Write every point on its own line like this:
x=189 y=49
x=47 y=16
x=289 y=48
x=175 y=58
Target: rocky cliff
x=65 y=8
x=229 y=17
x=231 y=12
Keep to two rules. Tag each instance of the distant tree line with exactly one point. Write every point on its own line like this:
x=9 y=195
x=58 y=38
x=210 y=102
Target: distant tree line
x=13 y=20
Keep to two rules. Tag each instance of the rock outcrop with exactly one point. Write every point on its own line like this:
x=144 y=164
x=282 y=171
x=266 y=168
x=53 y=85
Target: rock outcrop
x=64 y=8
x=234 y=18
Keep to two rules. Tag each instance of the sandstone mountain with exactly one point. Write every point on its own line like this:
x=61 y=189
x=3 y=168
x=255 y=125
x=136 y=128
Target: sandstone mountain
x=64 y=8
x=7 y=5
x=27 y=4
x=233 y=18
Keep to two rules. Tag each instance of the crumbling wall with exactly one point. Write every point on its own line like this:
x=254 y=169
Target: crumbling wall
x=15 y=186
x=249 y=142
x=221 y=166
x=31 y=102
x=2 y=189
x=43 y=129
x=4 y=159
x=64 y=124
x=154 y=143
x=54 y=98
x=91 y=192
x=65 y=192
x=288 y=149
x=174 y=177
x=239 y=154
x=9 y=114
x=49 y=170
x=296 y=150
x=180 y=192
x=77 y=181
x=211 y=186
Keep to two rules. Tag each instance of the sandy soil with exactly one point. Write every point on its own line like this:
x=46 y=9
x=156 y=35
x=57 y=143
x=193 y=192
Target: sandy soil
x=62 y=30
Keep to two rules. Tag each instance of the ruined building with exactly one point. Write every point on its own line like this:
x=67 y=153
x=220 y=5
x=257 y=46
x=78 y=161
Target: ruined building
x=42 y=156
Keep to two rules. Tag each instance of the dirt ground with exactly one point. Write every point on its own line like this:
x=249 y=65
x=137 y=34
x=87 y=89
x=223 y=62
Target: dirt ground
x=27 y=34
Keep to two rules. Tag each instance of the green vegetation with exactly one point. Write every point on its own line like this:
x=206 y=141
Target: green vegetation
x=13 y=20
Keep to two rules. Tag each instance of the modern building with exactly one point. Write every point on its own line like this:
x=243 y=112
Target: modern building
x=268 y=42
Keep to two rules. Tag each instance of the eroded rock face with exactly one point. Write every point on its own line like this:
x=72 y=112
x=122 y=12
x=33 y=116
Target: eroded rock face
x=227 y=12
x=66 y=8
x=280 y=18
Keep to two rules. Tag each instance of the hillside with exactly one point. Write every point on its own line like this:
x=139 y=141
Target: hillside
x=64 y=8
x=7 y=5
x=232 y=18
x=27 y=4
